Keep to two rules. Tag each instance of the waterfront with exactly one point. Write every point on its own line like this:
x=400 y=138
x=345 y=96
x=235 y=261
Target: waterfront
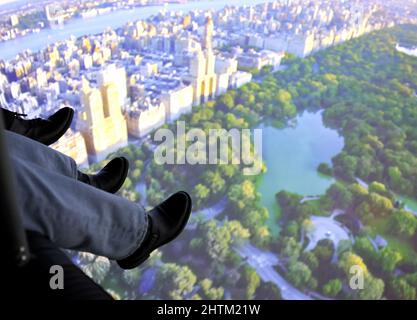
x=79 y=27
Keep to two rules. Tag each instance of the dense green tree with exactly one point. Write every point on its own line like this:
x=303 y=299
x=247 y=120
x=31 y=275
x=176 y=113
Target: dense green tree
x=395 y=177
x=332 y=288
x=348 y=260
x=402 y=290
x=268 y=291
x=226 y=101
x=292 y=229
x=235 y=196
x=388 y=259
x=364 y=211
x=175 y=281
x=310 y=259
x=345 y=166
x=380 y=206
x=340 y=195
x=196 y=244
x=215 y=181
x=132 y=277
x=209 y=291
x=324 y=251
x=217 y=240
x=359 y=192
x=373 y=289
x=201 y=193
x=252 y=282
x=325 y=169
x=135 y=175
x=237 y=231
x=403 y=223
x=378 y=187
x=290 y=248
x=364 y=247
x=262 y=236
x=299 y=274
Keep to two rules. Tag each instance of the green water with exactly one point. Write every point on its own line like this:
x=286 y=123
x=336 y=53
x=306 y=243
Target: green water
x=292 y=156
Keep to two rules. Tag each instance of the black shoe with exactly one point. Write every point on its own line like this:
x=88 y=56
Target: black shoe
x=110 y=178
x=166 y=222
x=46 y=131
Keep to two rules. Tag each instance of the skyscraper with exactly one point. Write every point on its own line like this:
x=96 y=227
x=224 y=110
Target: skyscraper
x=111 y=101
x=117 y=76
x=208 y=34
x=101 y=121
x=202 y=76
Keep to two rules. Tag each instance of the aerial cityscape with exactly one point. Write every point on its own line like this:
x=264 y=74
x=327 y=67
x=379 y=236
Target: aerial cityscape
x=332 y=85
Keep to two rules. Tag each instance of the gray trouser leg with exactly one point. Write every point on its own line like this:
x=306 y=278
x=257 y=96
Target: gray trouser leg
x=35 y=152
x=72 y=214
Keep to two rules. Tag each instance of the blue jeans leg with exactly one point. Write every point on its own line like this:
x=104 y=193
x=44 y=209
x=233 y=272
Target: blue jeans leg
x=35 y=152
x=75 y=215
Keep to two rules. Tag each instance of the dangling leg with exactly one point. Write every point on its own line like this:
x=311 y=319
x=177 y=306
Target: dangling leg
x=77 y=216
x=109 y=179
x=34 y=152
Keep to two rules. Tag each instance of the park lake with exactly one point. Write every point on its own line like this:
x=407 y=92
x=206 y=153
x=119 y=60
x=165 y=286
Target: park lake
x=292 y=155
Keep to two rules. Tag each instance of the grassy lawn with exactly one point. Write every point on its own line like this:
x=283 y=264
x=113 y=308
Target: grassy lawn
x=318 y=208
x=379 y=226
x=404 y=246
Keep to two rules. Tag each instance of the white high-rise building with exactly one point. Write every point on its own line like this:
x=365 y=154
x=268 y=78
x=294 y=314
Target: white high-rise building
x=202 y=75
x=116 y=75
x=178 y=101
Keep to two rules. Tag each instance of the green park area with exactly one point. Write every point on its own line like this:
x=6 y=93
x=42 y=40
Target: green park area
x=363 y=92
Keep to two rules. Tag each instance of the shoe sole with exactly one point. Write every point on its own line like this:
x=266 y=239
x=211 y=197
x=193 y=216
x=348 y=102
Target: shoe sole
x=123 y=177
x=62 y=131
x=186 y=217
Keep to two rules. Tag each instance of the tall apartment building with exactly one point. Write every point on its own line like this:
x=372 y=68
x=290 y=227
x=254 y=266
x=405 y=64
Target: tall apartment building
x=202 y=76
x=145 y=118
x=177 y=101
x=116 y=75
x=101 y=121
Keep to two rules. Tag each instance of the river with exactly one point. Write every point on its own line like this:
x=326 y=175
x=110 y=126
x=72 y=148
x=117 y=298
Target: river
x=79 y=27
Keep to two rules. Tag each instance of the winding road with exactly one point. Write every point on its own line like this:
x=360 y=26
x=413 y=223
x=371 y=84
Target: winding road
x=263 y=262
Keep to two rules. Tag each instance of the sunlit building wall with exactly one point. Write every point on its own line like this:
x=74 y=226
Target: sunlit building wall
x=104 y=130
x=142 y=121
x=178 y=102
x=73 y=145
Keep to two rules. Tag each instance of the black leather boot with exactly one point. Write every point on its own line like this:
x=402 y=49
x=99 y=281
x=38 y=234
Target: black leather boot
x=45 y=131
x=166 y=222
x=110 y=178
